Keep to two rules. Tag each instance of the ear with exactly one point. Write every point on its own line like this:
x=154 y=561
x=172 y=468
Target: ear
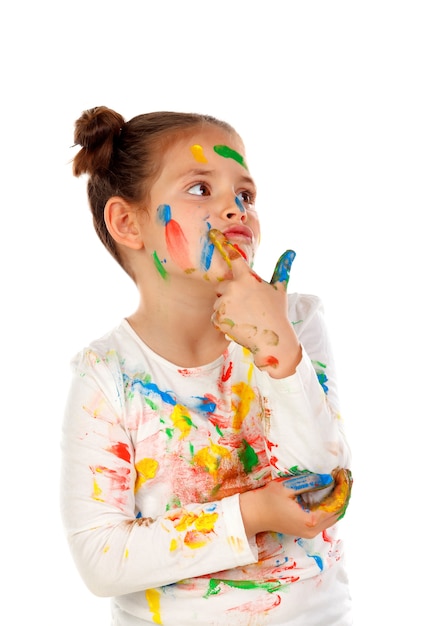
x=122 y=223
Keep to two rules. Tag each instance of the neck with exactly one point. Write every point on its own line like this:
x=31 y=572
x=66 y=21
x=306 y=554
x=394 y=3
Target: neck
x=176 y=325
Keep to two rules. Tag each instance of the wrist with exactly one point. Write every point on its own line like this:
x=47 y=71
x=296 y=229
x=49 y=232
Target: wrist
x=279 y=363
x=250 y=512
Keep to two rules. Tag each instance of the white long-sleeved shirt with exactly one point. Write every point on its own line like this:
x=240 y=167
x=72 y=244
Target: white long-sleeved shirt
x=154 y=459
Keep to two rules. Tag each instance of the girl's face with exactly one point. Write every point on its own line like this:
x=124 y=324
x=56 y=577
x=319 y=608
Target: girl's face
x=204 y=183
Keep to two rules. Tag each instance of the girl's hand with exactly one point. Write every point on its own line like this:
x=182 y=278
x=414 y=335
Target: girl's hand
x=253 y=313
x=275 y=508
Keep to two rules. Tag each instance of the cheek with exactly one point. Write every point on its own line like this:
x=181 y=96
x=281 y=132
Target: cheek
x=253 y=223
x=176 y=241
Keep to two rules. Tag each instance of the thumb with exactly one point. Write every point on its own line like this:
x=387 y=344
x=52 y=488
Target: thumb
x=283 y=268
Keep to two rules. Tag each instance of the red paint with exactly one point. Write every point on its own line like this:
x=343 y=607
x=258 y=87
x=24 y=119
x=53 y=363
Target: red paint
x=241 y=252
x=269 y=361
x=177 y=244
x=256 y=276
x=121 y=450
x=227 y=373
x=326 y=538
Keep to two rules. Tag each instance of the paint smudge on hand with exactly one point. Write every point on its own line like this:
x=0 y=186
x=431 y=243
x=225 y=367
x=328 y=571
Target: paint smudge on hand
x=228 y=252
x=283 y=268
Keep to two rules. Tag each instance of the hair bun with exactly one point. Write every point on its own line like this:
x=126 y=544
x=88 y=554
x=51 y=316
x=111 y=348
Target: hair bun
x=96 y=131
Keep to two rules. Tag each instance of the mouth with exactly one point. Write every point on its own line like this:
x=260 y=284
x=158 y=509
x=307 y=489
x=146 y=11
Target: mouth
x=240 y=232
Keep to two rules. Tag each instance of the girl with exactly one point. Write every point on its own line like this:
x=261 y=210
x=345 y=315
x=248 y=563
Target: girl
x=182 y=421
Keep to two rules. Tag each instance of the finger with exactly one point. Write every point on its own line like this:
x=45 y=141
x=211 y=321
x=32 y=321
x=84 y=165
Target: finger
x=337 y=501
x=230 y=254
x=283 y=268
x=308 y=481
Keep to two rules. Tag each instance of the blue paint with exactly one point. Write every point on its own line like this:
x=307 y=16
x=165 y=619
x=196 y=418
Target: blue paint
x=207 y=252
x=283 y=268
x=318 y=560
x=147 y=388
x=205 y=405
x=239 y=204
x=308 y=481
x=164 y=213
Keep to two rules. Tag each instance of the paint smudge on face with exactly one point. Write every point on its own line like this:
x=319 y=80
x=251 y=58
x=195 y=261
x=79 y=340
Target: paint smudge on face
x=207 y=251
x=198 y=153
x=226 y=249
x=158 y=265
x=239 y=204
x=229 y=153
x=241 y=251
x=176 y=241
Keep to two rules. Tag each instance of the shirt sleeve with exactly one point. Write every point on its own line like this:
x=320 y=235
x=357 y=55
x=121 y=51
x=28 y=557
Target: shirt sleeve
x=304 y=429
x=115 y=551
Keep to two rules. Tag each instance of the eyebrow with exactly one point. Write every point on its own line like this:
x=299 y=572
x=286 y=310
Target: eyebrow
x=200 y=171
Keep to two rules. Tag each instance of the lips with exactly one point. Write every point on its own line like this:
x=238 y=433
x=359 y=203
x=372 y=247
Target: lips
x=238 y=232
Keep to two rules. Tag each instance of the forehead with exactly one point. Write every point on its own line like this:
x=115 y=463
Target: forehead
x=213 y=140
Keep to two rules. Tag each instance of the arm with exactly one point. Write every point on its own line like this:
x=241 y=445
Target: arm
x=303 y=428
x=306 y=429
x=116 y=552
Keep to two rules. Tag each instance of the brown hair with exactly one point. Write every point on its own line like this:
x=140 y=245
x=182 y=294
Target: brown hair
x=123 y=158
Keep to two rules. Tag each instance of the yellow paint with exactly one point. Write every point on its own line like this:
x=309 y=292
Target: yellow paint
x=97 y=491
x=246 y=396
x=181 y=420
x=106 y=549
x=185 y=521
x=210 y=458
x=203 y=522
x=206 y=522
x=126 y=553
x=146 y=469
x=237 y=544
x=248 y=357
x=173 y=545
x=198 y=153
x=194 y=540
x=153 y=599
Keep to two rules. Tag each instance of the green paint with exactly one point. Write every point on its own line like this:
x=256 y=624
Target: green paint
x=248 y=457
x=160 y=268
x=215 y=585
x=151 y=404
x=216 y=489
x=228 y=153
x=323 y=365
x=174 y=503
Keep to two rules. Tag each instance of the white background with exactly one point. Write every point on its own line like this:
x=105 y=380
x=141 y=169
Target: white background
x=336 y=104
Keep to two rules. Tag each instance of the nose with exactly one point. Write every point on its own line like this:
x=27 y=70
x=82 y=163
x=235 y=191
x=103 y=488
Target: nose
x=235 y=209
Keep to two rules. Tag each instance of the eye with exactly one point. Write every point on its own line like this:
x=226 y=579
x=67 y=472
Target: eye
x=246 y=198
x=199 y=189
